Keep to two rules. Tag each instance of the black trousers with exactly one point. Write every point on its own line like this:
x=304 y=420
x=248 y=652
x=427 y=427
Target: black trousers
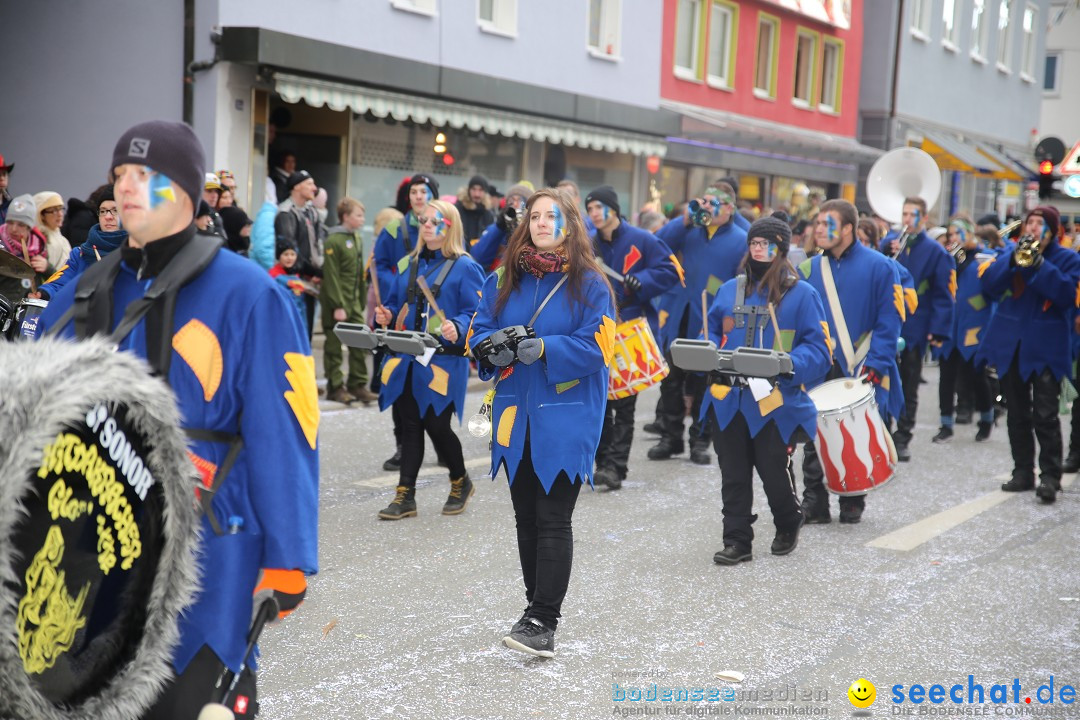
x=1033 y=414
x=815 y=495
x=910 y=371
x=545 y=538
x=673 y=389
x=438 y=428
x=739 y=456
x=956 y=373
x=185 y=695
x=1074 y=428
x=617 y=435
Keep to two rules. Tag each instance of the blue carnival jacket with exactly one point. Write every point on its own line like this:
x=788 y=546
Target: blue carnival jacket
x=559 y=401
x=803 y=334
x=1033 y=322
x=934 y=273
x=638 y=252
x=392 y=249
x=241 y=364
x=83 y=257
x=708 y=263
x=872 y=300
x=443 y=382
x=489 y=247
x=973 y=310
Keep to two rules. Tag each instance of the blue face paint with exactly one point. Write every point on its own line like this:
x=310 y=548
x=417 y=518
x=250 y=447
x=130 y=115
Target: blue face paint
x=772 y=251
x=558 y=231
x=830 y=223
x=918 y=217
x=428 y=197
x=605 y=210
x=441 y=224
x=160 y=188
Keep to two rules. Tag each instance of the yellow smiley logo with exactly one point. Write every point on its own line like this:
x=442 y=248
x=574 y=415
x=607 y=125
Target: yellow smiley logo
x=862 y=693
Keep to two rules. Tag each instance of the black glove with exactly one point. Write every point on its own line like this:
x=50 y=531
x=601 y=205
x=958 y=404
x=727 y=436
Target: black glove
x=487 y=354
x=871 y=376
x=631 y=284
x=507 y=219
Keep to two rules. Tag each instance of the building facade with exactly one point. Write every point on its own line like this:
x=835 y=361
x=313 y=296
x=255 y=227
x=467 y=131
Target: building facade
x=1061 y=99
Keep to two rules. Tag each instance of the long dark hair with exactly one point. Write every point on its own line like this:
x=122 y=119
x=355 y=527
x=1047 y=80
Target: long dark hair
x=577 y=248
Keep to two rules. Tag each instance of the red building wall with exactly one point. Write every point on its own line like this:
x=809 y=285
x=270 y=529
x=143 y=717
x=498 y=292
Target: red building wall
x=741 y=99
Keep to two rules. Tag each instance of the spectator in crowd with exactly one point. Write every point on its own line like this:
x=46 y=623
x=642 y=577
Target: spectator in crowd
x=472 y=206
x=50 y=208
x=651 y=221
x=19 y=237
x=226 y=199
x=297 y=225
x=284 y=167
x=5 y=196
x=263 y=235
x=286 y=272
x=237 y=229
x=102 y=239
x=82 y=215
x=211 y=195
x=228 y=182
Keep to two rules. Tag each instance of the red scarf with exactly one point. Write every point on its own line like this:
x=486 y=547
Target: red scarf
x=538 y=263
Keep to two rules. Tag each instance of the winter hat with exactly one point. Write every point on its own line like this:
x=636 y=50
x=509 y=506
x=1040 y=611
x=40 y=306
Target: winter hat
x=1048 y=213
x=478 y=180
x=296 y=178
x=204 y=209
x=170 y=148
x=605 y=195
x=935 y=233
x=45 y=200
x=774 y=229
x=234 y=219
x=281 y=246
x=23 y=209
x=520 y=190
x=4 y=165
x=421 y=179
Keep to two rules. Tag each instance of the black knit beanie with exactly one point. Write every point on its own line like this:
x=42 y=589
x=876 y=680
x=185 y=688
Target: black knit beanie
x=773 y=229
x=170 y=148
x=606 y=195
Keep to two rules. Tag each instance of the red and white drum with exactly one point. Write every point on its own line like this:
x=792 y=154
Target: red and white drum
x=855 y=448
x=637 y=362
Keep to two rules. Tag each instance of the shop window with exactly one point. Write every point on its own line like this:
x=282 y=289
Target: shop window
x=723 y=31
x=497 y=16
x=421 y=7
x=604 y=28
x=806 y=43
x=767 y=56
x=980 y=30
x=832 y=74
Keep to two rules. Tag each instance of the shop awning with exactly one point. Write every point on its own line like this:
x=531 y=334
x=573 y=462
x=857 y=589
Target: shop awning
x=1011 y=170
x=442 y=113
x=958 y=155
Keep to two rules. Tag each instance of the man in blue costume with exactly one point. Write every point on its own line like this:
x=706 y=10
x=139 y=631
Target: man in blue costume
x=647 y=268
x=252 y=425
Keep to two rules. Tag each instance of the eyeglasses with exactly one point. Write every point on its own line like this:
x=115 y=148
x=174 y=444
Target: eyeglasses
x=763 y=244
x=52 y=211
x=111 y=212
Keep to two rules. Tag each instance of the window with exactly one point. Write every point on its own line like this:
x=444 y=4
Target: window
x=805 y=67
x=920 y=19
x=1050 y=77
x=767 y=56
x=723 y=26
x=1004 y=10
x=498 y=17
x=688 y=39
x=421 y=7
x=979 y=29
x=604 y=27
x=1027 y=54
x=950 y=37
x=832 y=74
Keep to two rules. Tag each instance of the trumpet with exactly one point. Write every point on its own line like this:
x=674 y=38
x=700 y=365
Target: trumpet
x=699 y=216
x=903 y=241
x=1028 y=251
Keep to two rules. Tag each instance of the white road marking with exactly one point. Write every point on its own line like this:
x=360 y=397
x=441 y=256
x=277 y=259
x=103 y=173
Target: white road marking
x=391 y=479
x=912 y=536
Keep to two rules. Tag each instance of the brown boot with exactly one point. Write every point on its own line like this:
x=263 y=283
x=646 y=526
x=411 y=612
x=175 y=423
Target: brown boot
x=364 y=395
x=341 y=395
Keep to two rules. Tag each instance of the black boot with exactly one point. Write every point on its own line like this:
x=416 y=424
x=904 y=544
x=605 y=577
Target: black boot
x=1047 y=491
x=815 y=511
x=785 y=541
x=699 y=453
x=394 y=463
x=1072 y=462
x=1020 y=482
x=850 y=514
x=944 y=435
x=732 y=555
x=664 y=449
x=403 y=506
x=984 y=434
x=654 y=428
x=607 y=477
x=460 y=491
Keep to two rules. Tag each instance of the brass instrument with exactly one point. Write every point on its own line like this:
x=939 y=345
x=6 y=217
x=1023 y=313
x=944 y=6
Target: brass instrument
x=1028 y=250
x=898 y=174
x=1004 y=232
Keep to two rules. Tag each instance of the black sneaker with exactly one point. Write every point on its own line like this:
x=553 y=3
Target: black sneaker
x=944 y=435
x=785 y=541
x=815 y=513
x=460 y=491
x=700 y=456
x=403 y=506
x=533 y=638
x=984 y=433
x=1072 y=462
x=653 y=428
x=851 y=515
x=1019 y=483
x=1047 y=492
x=902 y=453
x=732 y=555
x=607 y=477
x=394 y=463
x=520 y=623
x=665 y=449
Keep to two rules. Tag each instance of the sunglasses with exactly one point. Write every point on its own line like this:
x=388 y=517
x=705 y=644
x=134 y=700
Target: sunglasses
x=432 y=221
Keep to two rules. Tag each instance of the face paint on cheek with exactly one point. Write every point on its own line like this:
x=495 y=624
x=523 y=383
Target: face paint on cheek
x=159 y=189
x=771 y=251
x=830 y=223
x=606 y=211
x=917 y=218
x=558 y=230
x=428 y=197
x=440 y=224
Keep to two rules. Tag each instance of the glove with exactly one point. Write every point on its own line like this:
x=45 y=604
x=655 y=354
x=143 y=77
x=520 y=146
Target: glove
x=871 y=376
x=632 y=284
x=287 y=587
x=507 y=220
x=530 y=350
x=485 y=353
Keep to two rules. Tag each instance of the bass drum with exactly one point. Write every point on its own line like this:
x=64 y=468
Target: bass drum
x=97 y=531
x=856 y=451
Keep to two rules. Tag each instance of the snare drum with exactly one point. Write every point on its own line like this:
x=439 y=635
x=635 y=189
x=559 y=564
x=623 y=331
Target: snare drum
x=27 y=314
x=637 y=362
x=856 y=451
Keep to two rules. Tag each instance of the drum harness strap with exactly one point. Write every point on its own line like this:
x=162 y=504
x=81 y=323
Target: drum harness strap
x=754 y=318
x=92 y=312
x=853 y=357
x=413 y=295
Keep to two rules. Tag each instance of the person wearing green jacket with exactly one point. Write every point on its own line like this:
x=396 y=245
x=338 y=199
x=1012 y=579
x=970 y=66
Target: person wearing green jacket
x=342 y=299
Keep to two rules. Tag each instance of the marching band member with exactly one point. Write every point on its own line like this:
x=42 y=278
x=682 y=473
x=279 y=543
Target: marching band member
x=648 y=269
x=934 y=273
x=749 y=433
x=1029 y=343
x=427 y=391
x=489 y=248
x=550 y=393
x=970 y=321
x=864 y=304
x=710 y=254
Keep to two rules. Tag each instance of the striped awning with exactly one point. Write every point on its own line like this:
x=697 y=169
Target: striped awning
x=442 y=113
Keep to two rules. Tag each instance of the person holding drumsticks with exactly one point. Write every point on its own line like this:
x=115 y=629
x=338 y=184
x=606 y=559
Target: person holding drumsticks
x=864 y=305
x=758 y=427
x=427 y=390
x=545 y=328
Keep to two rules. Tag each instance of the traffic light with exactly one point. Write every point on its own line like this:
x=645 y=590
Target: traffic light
x=1046 y=179
x=442 y=149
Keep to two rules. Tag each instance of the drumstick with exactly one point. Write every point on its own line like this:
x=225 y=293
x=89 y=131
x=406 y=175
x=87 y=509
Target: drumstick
x=422 y=282
x=775 y=327
x=705 y=312
x=97 y=255
x=375 y=281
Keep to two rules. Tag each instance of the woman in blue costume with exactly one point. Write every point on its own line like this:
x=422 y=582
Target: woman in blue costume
x=545 y=329
x=762 y=434
x=427 y=394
